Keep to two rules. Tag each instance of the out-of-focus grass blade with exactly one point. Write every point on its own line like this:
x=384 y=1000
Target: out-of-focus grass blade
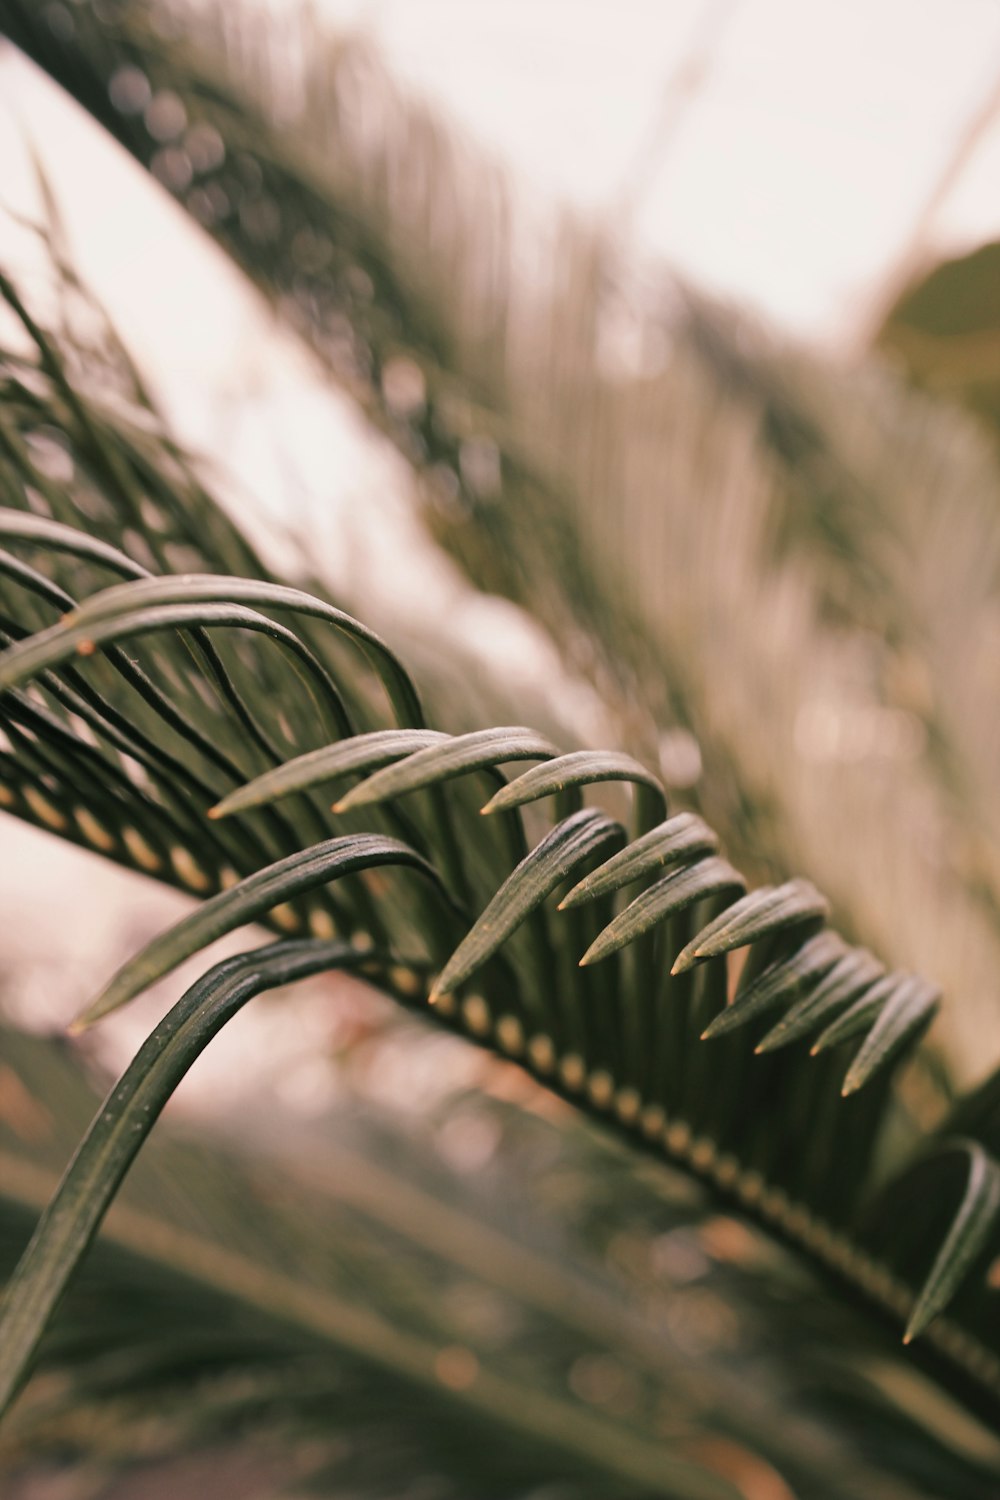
x=580 y=768
x=245 y=902
x=673 y=894
x=679 y=838
x=194 y=588
x=121 y=1126
x=780 y=982
x=578 y=838
x=846 y=981
x=357 y=755
x=903 y=1018
x=56 y=536
x=757 y=915
x=970 y=1229
x=465 y=752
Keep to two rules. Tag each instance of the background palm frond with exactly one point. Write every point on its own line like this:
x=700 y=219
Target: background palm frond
x=625 y=1042
x=150 y=1358
x=124 y=748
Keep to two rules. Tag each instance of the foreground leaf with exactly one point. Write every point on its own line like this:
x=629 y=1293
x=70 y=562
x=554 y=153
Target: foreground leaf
x=252 y=898
x=976 y=1216
x=479 y=750
x=121 y=1126
x=757 y=915
x=561 y=852
x=677 y=839
x=357 y=755
x=120 y=602
x=578 y=769
x=666 y=898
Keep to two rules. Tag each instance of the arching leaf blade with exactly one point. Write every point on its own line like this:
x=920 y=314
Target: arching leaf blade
x=361 y=753
x=578 y=769
x=480 y=750
x=540 y=873
x=245 y=902
x=667 y=897
x=24 y=525
x=120 y=1127
x=758 y=914
x=679 y=838
x=971 y=1227
x=194 y=588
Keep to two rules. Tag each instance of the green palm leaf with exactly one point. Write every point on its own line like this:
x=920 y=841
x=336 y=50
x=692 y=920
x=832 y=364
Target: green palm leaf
x=836 y=481
x=127 y=756
x=756 y=1165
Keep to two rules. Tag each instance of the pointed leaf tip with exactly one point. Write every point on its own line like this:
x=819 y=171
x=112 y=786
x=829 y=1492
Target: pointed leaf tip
x=248 y=901
x=559 y=855
x=756 y=915
x=358 y=755
x=580 y=768
x=681 y=839
x=904 y=1017
x=667 y=896
x=967 y=1236
x=778 y=984
x=856 y=972
x=482 y=749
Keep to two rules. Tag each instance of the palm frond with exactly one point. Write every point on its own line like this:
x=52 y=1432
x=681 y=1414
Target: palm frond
x=688 y=1027
x=622 y=1039
x=635 y=1038
x=395 y=253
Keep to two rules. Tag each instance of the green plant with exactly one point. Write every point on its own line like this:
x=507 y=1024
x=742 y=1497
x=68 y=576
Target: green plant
x=198 y=757
x=839 y=528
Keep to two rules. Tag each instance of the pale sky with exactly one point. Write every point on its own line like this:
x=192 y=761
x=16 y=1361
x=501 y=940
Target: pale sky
x=789 y=173
x=777 y=153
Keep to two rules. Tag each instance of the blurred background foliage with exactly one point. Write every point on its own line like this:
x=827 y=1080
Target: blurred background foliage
x=943 y=331
x=772 y=577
